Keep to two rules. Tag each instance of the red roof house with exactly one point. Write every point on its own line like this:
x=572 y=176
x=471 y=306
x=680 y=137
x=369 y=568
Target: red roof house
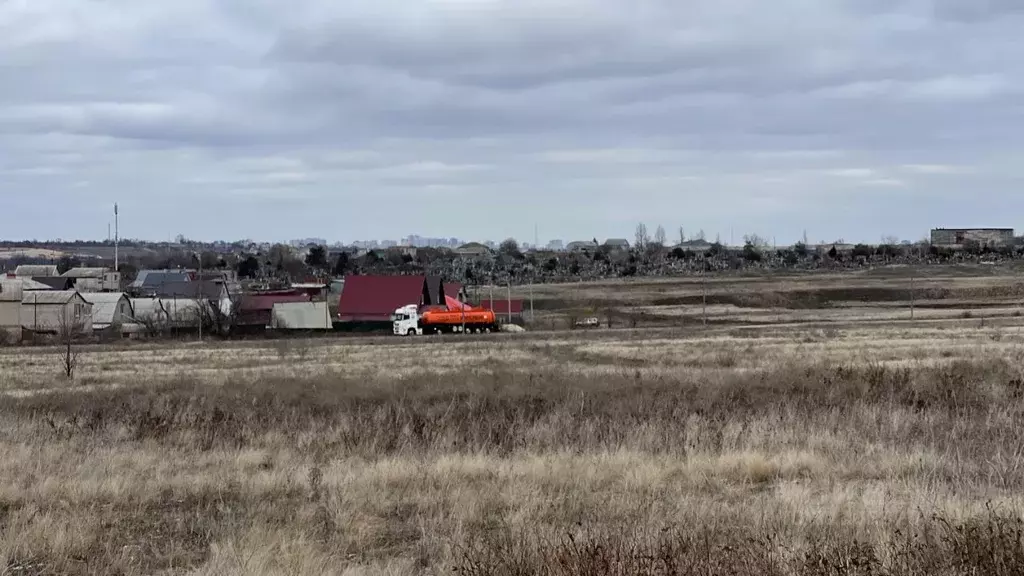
x=375 y=298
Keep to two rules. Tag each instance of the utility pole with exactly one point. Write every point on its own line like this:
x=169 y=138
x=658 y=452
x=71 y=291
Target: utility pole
x=532 y=317
x=117 y=238
x=510 y=301
x=704 y=293
x=912 y=274
x=202 y=296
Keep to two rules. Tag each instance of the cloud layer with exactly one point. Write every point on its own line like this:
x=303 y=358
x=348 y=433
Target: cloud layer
x=231 y=119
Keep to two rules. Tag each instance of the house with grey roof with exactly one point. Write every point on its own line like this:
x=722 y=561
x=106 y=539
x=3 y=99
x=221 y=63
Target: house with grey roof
x=94 y=279
x=36 y=270
x=148 y=282
x=473 y=250
x=49 y=311
x=617 y=244
x=582 y=246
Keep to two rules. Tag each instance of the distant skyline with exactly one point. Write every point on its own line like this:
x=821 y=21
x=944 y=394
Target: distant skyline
x=672 y=238
x=452 y=242
x=231 y=119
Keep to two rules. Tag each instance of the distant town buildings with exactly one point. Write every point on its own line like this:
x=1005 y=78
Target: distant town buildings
x=958 y=238
x=421 y=242
x=303 y=242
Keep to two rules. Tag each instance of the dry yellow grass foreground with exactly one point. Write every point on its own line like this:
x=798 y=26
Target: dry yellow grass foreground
x=862 y=451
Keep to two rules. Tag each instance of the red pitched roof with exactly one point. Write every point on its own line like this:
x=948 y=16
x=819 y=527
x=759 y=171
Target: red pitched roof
x=375 y=298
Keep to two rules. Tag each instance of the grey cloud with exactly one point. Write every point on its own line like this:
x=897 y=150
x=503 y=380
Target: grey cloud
x=722 y=115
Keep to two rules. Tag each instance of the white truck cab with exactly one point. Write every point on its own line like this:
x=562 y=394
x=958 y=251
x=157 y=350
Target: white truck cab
x=406 y=321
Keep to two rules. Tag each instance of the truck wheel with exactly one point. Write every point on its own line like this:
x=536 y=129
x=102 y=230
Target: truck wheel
x=412 y=332
x=487 y=330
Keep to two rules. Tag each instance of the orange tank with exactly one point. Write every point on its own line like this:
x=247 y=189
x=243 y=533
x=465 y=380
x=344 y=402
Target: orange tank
x=456 y=317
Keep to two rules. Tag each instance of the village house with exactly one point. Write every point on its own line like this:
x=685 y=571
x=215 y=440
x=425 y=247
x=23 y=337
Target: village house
x=10 y=312
x=51 y=311
x=94 y=279
x=110 y=310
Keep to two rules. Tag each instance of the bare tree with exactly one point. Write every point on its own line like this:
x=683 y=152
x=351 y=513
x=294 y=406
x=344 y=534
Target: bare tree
x=890 y=240
x=659 y=236
x=218 y=318
x=153 y=326
x=756 y=241
x=701 y=236
x=682 y=236
x=642 y=237
x=69 y=332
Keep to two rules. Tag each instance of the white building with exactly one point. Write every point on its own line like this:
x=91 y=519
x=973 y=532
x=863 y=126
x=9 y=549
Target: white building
x=50 y=311
x=110 y=310
x=10 y=311
x=301 y=316
x=95 y=279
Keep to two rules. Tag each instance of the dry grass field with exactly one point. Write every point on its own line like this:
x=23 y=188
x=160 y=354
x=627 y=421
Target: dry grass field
x=852 y=444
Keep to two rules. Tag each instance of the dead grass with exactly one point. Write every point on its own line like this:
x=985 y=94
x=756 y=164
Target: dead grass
x=890 y=449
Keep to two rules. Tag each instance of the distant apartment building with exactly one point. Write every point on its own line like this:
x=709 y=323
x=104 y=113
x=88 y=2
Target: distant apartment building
x=957 y=238
x=303 y=242
x=556 y=245
x=422 y=242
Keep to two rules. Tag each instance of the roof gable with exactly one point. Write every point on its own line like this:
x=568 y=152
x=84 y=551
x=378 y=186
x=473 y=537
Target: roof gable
x=105 y=306
x=31 y=270
x=206 y=289
x=85 y=273
x=154 y=278
x=380 y=295
x=50 y=297
x=103 y=297
x=55 y=282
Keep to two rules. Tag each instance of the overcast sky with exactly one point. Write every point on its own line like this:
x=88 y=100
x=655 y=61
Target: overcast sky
x=266 y=119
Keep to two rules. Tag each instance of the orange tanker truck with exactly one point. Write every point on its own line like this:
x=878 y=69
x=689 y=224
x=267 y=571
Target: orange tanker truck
x=409 y=321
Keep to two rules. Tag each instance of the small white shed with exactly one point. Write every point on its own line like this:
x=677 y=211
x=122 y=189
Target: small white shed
x=301 y=316
x=10 y=311
x=109 y=309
